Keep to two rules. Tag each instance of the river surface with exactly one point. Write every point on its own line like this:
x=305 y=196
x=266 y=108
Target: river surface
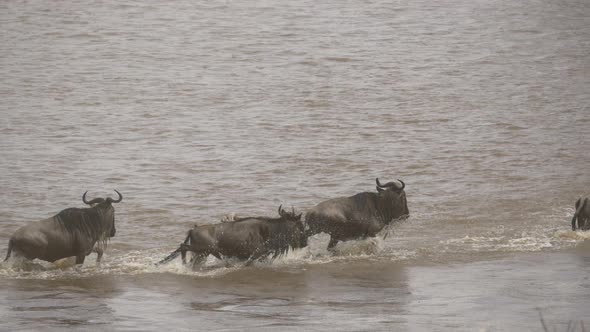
x=196 y=109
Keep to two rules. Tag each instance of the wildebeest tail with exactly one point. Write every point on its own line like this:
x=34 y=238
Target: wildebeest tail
x=9 y=250
x=173 y=254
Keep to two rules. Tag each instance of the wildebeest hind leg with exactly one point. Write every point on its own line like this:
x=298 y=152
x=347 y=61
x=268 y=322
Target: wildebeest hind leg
x=197 y=260
x=183 y=249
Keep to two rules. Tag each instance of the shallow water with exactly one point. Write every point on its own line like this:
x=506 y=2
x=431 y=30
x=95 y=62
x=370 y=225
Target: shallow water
x=194 y=110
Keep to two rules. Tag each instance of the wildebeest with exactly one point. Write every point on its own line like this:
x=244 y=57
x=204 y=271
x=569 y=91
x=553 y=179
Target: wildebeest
x=71 y=232
x=582 y=214
x=359 y=216
x=248 y=238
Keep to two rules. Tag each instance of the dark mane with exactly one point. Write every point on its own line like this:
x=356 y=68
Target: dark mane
x=86 y=222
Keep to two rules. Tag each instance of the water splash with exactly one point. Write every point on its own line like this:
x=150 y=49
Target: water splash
x=120 y=262
x=573 y=236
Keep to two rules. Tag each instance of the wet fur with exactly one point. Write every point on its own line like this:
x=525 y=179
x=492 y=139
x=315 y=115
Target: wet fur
x=357 y=217
x=245 y=238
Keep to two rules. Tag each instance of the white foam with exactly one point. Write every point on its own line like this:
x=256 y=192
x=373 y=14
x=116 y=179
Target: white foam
x=143 y=261
x=536 y=239
x=573 y=235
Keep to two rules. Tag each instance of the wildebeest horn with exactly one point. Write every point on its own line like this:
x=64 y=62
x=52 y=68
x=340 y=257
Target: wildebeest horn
x=403 y=184
x=281 y=210
x=115 y=201
x=84 y=198
x=390 y=184
x=94 y=201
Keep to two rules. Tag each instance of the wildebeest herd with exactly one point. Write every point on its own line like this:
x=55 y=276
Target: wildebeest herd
x=76 y=232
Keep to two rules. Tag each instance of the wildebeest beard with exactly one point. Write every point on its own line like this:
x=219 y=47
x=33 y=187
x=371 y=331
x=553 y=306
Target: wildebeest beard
x=89 y=223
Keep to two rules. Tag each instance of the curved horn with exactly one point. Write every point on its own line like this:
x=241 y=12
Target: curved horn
x=91 y=202
x=391 y=184
x=115 y=201
x=403 y=184
x=84 y=198
x=281 y=210
x=378 y=184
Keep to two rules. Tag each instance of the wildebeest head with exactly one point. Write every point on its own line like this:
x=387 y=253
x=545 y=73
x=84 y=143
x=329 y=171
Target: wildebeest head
x=298 y=235
x=395 y=196
x=289 y=215
x=106 y=209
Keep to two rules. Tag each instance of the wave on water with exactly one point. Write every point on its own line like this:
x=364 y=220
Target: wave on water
x=137 y=262
x=527 y=241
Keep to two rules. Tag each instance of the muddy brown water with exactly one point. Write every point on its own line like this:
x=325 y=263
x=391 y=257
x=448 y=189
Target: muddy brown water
x=194 y=110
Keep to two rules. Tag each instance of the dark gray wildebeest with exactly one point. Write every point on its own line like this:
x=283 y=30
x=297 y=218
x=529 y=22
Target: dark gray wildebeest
x=360 y=216
x=248 y=238
x=582 y=214
x=71 y=232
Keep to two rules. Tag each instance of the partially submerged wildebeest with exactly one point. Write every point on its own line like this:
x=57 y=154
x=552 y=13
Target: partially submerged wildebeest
x=582 y=214
x=359 y=216
x=71 y=232
x=248 y=238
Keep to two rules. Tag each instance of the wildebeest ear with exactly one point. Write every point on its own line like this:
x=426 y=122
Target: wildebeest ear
x=380 y=190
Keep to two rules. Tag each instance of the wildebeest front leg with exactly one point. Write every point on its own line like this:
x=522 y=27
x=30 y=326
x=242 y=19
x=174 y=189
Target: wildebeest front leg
x=333 y=242
x=80 y=259
x=574 y=223
x=256 y=255
x=99 y=252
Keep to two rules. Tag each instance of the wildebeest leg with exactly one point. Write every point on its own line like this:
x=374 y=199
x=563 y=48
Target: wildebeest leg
x=332 y=243
x=574 y=223
x=99 y=252
x=183 y=249
x=9 y=250
x=256 y=255
x=183 y=254
x=176 y=252
x=80 y=259
x=197 y=260
x=251 y=260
